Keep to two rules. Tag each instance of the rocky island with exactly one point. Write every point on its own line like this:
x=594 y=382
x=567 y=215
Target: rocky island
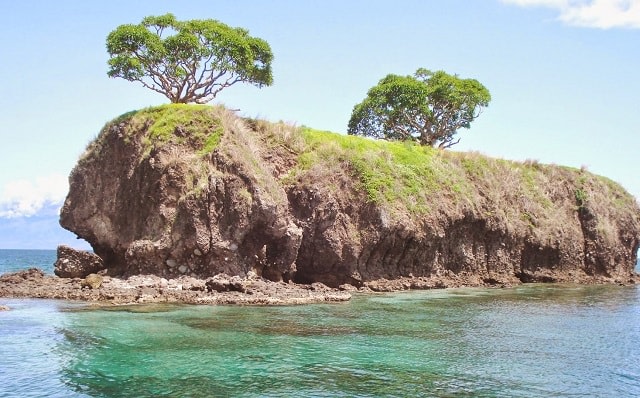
x=192 y=192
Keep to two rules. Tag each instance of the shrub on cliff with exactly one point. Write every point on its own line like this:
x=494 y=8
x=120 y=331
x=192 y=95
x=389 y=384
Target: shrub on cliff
x=428 y=107
x=196 y=62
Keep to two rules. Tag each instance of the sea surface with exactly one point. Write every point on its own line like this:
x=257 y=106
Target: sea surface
x=528 y=341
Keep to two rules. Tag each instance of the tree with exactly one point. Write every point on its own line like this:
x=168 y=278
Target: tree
x=188 y=61
x=428 y=107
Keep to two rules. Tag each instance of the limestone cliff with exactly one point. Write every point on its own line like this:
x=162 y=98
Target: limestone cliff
x=196 y=190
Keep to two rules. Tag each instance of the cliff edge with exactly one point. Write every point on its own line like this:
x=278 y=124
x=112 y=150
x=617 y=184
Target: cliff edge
x=196 y=190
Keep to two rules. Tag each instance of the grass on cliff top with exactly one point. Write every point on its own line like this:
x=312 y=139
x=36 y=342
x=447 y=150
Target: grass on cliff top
x=405 y=175
x=198 y=126
x=388 y=172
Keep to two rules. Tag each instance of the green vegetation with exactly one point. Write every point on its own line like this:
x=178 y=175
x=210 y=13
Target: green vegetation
x=196 y=125
x=581 y=197
x=195 y=63
x=420 y=180
x=475 y=166
x=395 y=173
x=532 y=185
x=621 y=198
x=429 y=107
x=580 y=193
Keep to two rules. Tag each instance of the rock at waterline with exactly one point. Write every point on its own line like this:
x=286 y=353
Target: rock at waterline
x=72 y=263
x=4 y=308
x=224 y=283
x=92 y=281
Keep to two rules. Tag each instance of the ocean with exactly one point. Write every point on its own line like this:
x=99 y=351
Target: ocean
x=527 y=341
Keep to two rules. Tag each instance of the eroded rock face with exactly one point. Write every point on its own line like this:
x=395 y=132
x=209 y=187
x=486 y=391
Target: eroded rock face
x=72 y=263
x=251 y=207
x=164 y=209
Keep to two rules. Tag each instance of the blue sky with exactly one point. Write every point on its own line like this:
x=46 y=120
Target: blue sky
x=563 y=75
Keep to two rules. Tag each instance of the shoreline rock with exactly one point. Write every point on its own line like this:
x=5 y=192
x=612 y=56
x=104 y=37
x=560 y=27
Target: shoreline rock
x=138 y=289
x=72 y=263
x=223 y=289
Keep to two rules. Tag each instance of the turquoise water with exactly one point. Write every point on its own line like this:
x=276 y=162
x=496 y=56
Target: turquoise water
x=16 y=260
x=530 y=341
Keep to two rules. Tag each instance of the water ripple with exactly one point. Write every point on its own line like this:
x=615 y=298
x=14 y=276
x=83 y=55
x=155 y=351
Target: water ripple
x=531 y=341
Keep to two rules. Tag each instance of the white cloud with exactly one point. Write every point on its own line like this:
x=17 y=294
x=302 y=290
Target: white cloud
x=603 y=14
x=23 y=198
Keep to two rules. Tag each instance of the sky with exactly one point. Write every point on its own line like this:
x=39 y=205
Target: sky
x=563 y=75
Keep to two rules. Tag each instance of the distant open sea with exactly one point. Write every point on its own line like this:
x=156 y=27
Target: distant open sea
x=527 y=341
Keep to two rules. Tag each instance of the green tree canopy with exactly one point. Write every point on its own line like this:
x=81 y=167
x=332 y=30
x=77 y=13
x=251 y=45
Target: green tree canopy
x=188 y=61
x=429 y=107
